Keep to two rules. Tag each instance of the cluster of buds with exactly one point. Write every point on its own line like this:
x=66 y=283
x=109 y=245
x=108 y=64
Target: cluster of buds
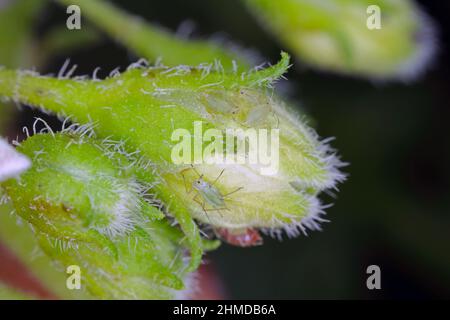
x=378 y=39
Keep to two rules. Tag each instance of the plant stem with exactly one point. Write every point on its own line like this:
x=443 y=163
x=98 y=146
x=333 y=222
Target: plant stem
x=152 y=42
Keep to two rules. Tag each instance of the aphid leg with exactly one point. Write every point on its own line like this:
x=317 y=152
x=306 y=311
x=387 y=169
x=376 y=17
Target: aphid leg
x=218 y=177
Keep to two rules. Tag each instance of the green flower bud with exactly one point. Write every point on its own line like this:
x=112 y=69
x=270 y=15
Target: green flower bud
x=152 y=42
x=374 y=38
x=274 y=193
x=12 y=163
x=88 y=209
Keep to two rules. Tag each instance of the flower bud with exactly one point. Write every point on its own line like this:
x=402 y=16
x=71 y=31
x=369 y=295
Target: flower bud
x=12 y=163
x=152 y=42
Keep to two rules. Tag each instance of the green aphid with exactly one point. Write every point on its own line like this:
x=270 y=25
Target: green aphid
x=337 y=35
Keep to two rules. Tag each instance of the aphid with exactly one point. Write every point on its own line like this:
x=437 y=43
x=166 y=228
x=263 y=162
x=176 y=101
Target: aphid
x=240 y=237
x=245 y=107
x=208 y=192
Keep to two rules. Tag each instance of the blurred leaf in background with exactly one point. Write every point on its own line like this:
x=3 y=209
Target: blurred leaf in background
x=334 y=35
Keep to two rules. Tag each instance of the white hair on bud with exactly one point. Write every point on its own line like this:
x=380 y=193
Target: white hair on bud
x=12 y=163
x=78 y=130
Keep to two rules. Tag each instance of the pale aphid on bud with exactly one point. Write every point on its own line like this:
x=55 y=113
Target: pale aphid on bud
x=101 y=198
x=12 y=163
x=209 y=195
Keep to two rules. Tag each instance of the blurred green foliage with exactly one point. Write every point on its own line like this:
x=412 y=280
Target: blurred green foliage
x=393 y=211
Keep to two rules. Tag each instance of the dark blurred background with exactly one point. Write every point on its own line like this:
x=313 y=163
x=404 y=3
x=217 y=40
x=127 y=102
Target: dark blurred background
x=394 y=210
